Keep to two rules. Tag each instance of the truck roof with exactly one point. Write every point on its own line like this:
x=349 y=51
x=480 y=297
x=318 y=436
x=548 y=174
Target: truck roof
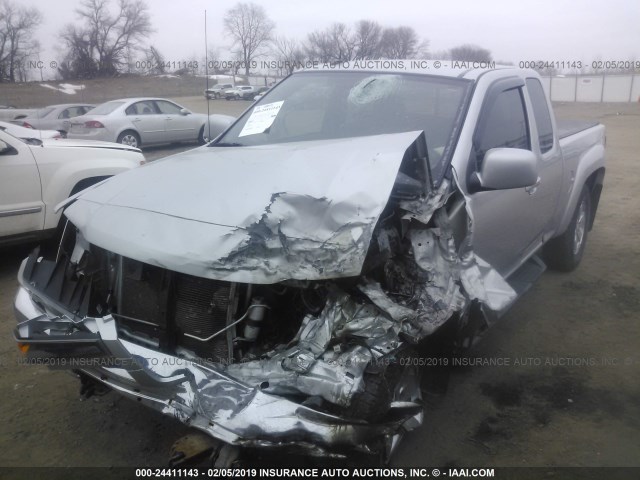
x=441 y=68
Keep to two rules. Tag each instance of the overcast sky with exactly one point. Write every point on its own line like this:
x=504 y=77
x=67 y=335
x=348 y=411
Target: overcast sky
x=552 y=30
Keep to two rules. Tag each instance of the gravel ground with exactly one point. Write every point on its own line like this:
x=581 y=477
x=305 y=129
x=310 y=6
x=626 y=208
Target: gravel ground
x=570 y=395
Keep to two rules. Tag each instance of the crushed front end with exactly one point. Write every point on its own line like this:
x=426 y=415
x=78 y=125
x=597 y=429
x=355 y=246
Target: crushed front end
x=312 y=363
x=252 y=365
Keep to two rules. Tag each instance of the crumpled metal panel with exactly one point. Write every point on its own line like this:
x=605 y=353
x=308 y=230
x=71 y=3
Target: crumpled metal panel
x=422 y=209
x=311 y=367
x=249 y=214
x=443 y=277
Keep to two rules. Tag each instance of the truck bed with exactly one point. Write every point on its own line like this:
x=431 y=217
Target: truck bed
x=571 y=127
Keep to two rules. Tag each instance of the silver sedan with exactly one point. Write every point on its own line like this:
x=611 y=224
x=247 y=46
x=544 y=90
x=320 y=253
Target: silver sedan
x=54 y=117
x=146 y=121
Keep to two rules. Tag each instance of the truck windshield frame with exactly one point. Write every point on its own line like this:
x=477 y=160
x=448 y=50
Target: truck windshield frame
x=321 y=105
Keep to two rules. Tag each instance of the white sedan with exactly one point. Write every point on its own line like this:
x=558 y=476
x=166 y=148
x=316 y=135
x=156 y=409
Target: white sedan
x=54 y=117
x=28 y=133
x=146 y=121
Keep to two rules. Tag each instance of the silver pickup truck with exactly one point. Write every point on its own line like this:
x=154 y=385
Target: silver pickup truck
x=275 y=288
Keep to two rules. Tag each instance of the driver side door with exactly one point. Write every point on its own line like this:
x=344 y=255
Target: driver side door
x=506 y=223
x=178 y=126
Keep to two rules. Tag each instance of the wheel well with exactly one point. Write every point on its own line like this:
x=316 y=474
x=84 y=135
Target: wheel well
x=87 y=182
x=130 y=130
x=78 y=187
x=595 y=183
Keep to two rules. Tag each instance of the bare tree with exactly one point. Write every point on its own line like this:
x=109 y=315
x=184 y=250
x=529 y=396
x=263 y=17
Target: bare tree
x=318 y=46
x=470 y=53
x=333 y=45
x=289 y=54
x=399 y=42
x=368 y=35
x=17 y=26
x=366 y=40
x=250 y=29
x=99 y=43
x=155 y=60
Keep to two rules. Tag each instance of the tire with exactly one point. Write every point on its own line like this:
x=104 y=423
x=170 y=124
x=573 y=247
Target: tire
x=373 y=402
x=129 y=137
x=564 y=253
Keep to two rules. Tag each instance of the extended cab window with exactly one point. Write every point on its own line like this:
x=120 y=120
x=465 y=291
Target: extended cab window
x=541 y=114
x=505 y=125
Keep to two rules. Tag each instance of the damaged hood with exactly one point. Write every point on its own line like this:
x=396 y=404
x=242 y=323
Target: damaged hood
x=263 y=214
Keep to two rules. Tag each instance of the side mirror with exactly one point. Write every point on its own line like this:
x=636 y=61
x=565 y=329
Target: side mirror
x=184 y=111
x=505 y=168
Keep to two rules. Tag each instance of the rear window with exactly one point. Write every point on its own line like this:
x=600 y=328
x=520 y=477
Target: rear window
x=106 y=108
x=43 y=112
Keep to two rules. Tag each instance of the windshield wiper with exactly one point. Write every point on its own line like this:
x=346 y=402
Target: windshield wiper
x=227 y=144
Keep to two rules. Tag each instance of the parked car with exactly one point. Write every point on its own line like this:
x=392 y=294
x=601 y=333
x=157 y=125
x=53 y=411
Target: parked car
x=259 y=93
x=146 y=121
x=28 y=133
x=216 y=90
x=271 y=288
x=240 y=92
x=54 y=117
x=37 y=174
x=9 y=113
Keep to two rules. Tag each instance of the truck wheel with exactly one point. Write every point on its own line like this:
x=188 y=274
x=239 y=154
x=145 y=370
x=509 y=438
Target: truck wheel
x=372 y=403
x=129 y=137
x=564 y=253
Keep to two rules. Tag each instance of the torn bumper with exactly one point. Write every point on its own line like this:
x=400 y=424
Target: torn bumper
x=198 y=394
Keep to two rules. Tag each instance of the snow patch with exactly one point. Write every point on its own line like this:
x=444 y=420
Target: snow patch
x=67 y=88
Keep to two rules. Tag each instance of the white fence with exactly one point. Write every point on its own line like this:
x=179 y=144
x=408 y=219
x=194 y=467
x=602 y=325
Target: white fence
x=593 y=88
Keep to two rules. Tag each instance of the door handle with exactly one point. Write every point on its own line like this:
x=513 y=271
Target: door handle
x=135 y=120
x=531 y=189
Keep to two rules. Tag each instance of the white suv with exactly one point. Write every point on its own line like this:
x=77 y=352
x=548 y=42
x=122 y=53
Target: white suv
x=241 y=92
x=36 y=176
x=217 y=90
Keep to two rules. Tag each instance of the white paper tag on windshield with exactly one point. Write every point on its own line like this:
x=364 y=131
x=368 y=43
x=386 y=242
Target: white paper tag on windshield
x=261 y=118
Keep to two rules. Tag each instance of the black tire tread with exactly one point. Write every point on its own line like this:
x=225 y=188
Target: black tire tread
x=558 y=252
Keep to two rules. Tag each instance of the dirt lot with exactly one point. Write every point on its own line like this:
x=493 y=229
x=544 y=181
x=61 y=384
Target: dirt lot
x=569 y=395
